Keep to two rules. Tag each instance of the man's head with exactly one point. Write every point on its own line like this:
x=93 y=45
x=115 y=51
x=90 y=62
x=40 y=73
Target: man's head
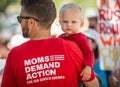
x=41 y=12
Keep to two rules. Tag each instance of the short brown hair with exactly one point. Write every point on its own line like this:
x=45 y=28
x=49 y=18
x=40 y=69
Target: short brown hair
x=44 y=10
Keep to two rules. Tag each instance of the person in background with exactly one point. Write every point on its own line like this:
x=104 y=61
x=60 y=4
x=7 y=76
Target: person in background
x=117 y=73
x=71 y=20
x=42 y=61
x=3 y=54
x=93 y=38
x=92 y=16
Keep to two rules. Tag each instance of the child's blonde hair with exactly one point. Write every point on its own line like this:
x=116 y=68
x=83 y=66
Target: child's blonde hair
x=72 y=6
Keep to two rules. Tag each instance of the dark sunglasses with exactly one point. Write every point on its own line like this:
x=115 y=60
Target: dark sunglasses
x=19 y=18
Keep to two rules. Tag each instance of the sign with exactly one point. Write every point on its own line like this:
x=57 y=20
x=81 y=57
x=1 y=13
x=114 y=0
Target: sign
x=109 y=26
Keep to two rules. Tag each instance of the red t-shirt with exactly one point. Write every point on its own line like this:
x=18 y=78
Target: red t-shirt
x=84 y=45
x=44 y=63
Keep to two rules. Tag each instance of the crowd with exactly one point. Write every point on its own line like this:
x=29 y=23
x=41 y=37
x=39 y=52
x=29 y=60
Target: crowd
x=3 y=54
x=70 y=60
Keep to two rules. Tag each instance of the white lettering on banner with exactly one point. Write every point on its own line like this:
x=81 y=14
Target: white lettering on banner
x=43 y=68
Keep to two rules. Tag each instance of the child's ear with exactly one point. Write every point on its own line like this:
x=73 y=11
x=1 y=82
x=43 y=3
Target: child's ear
x=82 y=23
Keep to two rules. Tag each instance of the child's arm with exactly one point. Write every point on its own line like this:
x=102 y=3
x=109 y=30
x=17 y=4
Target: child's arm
x=84 y=45
x=86 y=49
x=88 y=53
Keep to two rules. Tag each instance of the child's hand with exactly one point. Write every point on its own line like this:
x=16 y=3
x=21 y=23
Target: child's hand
x=86 y=73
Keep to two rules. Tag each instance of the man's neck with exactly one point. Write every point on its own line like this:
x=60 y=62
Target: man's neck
x=40 y=34
x=40 y=37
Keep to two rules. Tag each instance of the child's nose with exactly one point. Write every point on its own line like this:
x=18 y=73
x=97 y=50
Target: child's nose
x=69 y=24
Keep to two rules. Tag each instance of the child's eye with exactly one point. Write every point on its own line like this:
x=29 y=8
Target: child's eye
x=73 y=21
x=64 y=21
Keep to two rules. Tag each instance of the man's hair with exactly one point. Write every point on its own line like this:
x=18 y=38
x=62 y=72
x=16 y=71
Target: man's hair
x=72 y=6
x=44 y=10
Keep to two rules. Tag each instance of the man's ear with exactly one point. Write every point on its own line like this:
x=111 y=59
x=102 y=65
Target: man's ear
x=31 y=23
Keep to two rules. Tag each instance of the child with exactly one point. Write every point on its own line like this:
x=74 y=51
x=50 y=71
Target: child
x=71 y=20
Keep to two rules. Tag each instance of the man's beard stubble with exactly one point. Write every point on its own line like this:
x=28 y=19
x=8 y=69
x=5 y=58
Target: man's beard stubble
x=25 y=31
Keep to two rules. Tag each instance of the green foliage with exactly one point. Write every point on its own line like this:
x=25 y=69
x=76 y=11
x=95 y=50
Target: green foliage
x=83 y=3
x=5 y=3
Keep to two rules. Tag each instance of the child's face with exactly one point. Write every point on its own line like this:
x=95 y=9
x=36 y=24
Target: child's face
x=70 y=21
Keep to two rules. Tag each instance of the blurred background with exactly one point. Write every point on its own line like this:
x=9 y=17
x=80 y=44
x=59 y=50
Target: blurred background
x=9 y=9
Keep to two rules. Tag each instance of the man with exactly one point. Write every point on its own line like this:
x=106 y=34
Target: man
x=42 y=61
